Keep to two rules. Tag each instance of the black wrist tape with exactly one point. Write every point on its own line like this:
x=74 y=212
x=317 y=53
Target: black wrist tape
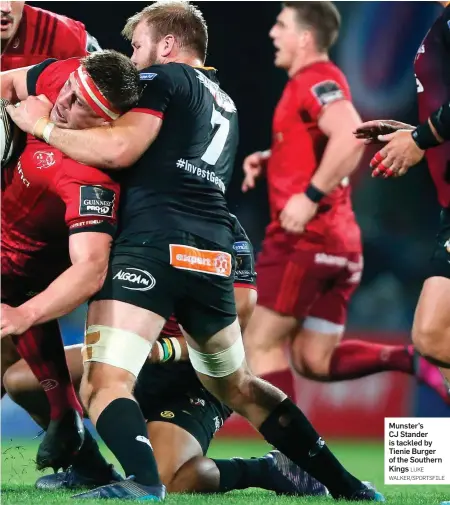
x=423 y=137
x=314 y=194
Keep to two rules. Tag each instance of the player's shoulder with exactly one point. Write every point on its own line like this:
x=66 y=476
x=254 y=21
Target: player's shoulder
x=321 y=72
x=67 y=36
x=168 y=71
x=78 y=172
x=324 y=81
x=43 y=18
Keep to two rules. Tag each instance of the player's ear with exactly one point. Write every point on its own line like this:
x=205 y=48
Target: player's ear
x=167 y=44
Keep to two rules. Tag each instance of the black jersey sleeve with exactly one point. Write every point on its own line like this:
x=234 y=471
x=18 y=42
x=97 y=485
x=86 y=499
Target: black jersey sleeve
x=440 y=119
x=159 y=85
x=446 y=27
x=34 y=73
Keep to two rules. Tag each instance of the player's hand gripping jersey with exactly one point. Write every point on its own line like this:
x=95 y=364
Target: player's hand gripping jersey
x=48 y=198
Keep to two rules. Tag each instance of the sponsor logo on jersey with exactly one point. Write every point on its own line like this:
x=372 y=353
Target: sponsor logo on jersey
x=137 y=279
x=96 y=201
x=44 y=159
x=147 y=76
x=198 y=260
x=85 y=224
x=327 y=92
x=242 y=246
x=243 y=274
x=167 y=414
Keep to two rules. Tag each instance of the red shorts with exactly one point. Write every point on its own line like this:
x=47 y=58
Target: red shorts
x=307 y=284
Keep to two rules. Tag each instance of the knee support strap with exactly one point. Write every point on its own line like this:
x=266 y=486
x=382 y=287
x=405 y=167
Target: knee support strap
x=219 y=364
x=119 y=348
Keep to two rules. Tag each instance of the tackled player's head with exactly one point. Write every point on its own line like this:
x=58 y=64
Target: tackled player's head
x=11 y=14
x=304 y=30
x=163 y=30
x=105 y=86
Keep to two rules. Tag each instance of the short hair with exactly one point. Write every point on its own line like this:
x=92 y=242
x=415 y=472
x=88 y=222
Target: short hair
x=116 y=77
x=182 y=19
x=322 y=17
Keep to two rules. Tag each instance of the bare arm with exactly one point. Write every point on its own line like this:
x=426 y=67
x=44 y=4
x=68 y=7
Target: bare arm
x=14 y=84
x=343 y=151
x=89 y=252
x=110 y=147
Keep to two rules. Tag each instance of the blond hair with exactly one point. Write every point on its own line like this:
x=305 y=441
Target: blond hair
x=181 y=19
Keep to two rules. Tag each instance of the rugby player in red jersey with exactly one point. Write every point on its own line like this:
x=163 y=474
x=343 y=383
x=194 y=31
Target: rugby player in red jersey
x=58 y=219
x=431 y=328
x=30 y=35
x=311 y=260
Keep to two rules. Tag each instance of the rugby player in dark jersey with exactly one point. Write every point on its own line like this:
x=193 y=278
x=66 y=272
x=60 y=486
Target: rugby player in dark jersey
x=182 y=417
x=173 y=254
x=431 y=328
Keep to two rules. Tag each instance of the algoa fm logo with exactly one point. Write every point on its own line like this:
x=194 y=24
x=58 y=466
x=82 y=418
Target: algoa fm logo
x=135 y=279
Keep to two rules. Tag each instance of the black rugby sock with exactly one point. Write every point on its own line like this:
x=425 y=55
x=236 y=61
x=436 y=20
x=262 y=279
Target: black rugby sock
x=89 y=461
x=122 y=427
x=237 y=473
x=290 y=432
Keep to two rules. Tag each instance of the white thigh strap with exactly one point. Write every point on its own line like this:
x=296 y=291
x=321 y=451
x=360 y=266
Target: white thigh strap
x=221 y=363
x=119 y=348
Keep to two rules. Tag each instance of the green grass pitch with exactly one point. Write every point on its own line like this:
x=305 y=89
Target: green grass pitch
x=364 y=459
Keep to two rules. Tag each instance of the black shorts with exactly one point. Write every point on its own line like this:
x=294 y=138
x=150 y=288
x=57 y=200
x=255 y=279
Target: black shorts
x=196 y=411
x=174 y=273
x=440 y=259
x=244 y=256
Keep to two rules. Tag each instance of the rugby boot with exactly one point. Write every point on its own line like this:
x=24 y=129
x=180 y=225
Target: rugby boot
x=125 y=490
x=75 y=479
x=62 y=441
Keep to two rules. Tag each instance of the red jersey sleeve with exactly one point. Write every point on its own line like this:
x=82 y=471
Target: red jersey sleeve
x=91 y=198
x=320 y=87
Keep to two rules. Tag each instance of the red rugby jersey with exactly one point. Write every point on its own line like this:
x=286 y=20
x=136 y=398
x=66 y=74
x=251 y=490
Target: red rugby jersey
x=297 y=148
x=42 y=34
x=48 y=198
